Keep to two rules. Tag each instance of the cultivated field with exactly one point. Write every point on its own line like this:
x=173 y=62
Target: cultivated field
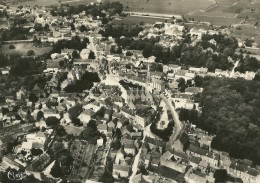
x=35 y=2
x=23 y=49
x=226 y=2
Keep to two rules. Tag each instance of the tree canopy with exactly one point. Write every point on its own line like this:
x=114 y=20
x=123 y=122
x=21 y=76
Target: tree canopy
x=230 y=109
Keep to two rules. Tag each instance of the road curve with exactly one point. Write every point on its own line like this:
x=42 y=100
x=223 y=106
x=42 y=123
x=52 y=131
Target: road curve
x=178 y=124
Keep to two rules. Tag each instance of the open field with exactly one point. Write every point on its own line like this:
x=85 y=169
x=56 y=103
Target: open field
x=166 y=6
x=22 y=48
x=215 y=14
x=226 y=2
x=247 y=32
x=218 y=21
x=35 y=2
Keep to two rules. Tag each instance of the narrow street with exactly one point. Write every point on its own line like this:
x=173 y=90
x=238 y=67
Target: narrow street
x=178 y=124
x=135 y=164
x=233 y=70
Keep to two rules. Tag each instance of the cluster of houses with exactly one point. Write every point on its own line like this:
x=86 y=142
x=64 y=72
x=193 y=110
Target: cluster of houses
x=106 y=105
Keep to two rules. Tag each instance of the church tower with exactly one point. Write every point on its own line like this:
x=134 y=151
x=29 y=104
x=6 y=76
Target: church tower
x=148 y=76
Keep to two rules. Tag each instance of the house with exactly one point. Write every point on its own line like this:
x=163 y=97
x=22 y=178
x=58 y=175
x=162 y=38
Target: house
x=4 y=140
x=120 y=156
x=224 y=159
x=195 y=177
x=39 y=137
x=244 y=172
x=71 y=129
x=111 y=124
x=75 y=111
x=158 y=84
x=100 y=142
x=51 y=113
x=102 y=128
x=129 y=148
x=21 y=94
x=53 y=66
x=38 y=165
x=128 y=113
x=5 y=71
x=166 y=160
x=9 y=99
x=155 y=142
x=86 y=116
x=194 y=161
x=142 y=118
x=9 y=162
x=205 y=155
x=203 y=165
x=109 y=132
x=193 y=90
x=135 y=135
x=121 y=171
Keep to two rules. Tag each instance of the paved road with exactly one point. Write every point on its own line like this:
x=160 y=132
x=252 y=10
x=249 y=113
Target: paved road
x=178 y=124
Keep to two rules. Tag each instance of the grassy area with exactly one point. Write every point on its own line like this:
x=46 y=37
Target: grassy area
x=246 y=31
x=77 y=2
x=166 y=6
x=23 y=49
x=215 y=14
x=219 y=21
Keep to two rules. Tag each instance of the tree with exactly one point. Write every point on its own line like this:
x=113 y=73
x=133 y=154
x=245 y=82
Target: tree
x=56 y=148
x=184 y=115
x=104 y=20
x=75 y=54
x=30 y=53
x=33 y=98
x=51 y=121
x=92 y=124
x=89 y=134
x=39 y=116
x=116 y=145
x=11 y=47
x=61 y=131
x=56 y=170
x=83 y=28
x=198 y=81
x=36 y=152
x=182 y=84
x=91 y=55
x=143 y=170
x=220 y=175
x=147 y=52
x=128 y=53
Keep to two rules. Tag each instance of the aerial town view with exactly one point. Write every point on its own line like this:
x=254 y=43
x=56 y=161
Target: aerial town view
x=138 y=91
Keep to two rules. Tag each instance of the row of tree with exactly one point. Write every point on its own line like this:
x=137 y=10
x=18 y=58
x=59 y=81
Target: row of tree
x=162 y=133
x=95 y=9
x=75 y=43
x=121 y=30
